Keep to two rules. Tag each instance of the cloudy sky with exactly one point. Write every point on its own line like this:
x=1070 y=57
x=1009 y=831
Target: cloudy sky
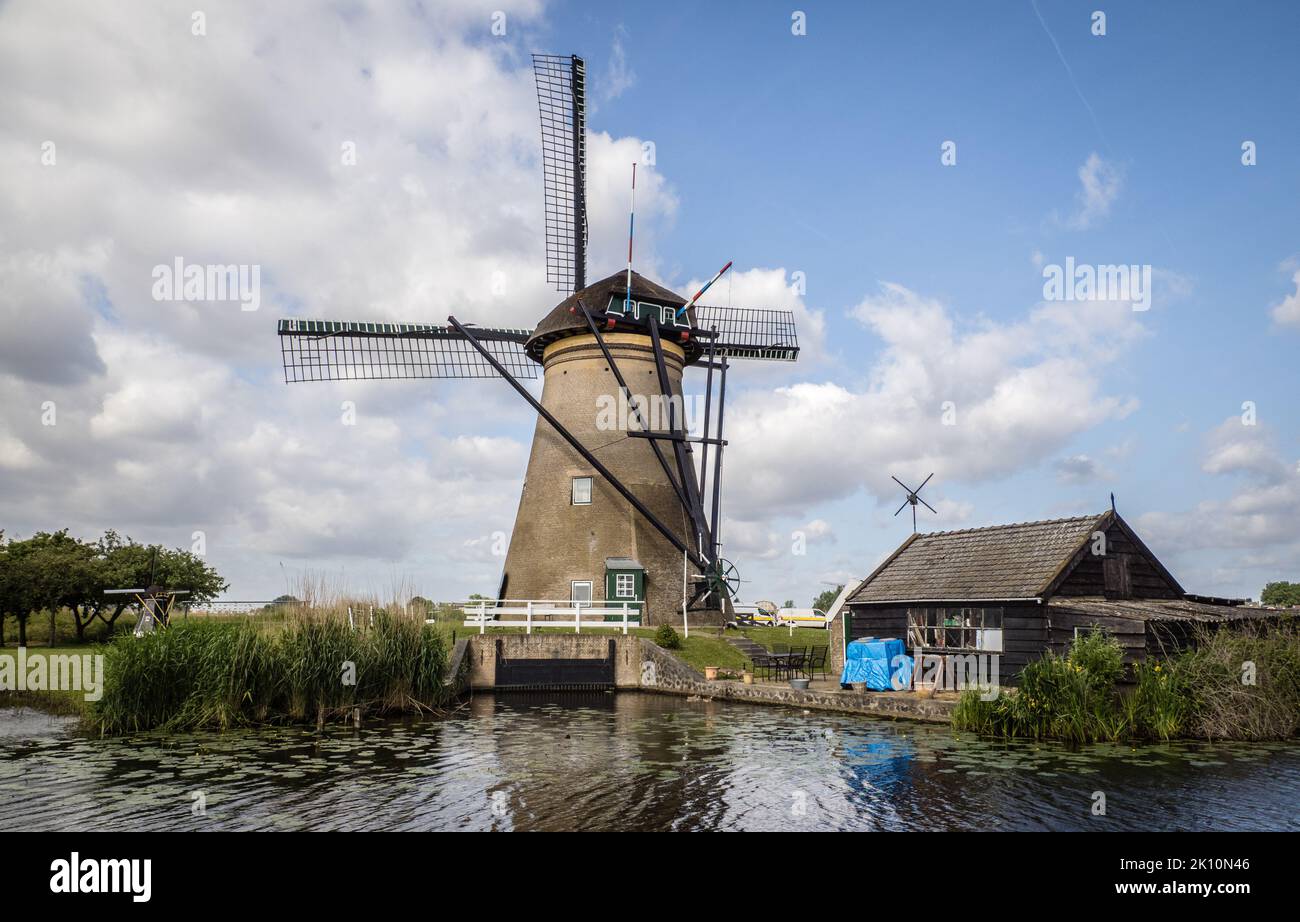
x=132 y=134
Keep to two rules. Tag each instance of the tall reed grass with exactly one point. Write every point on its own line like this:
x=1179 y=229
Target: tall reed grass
x=1239 y=682
x=314 y=667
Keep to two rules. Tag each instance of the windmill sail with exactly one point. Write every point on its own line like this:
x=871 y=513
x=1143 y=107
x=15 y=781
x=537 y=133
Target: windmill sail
x=746 y=333
x=329 y=350
x=562 y=102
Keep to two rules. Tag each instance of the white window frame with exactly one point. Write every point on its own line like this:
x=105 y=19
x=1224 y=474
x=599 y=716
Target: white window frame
x=573 y=491
x=573 y=590
x=973 y=629
x=631 y=585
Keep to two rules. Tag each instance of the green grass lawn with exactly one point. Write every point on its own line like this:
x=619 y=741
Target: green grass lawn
x=57 y=702
x=802 y=637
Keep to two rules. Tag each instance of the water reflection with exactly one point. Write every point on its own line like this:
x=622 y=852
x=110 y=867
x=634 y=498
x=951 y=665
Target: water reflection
x=630 y=761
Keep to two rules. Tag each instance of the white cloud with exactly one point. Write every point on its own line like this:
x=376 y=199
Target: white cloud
x=1287 y=311
x=618 y=77
x=1235 y=448
x=1018 y=391
x=226 y=148
x=1099 y=183
x=1249 y=537
x=765 y=289
x=1077 y=469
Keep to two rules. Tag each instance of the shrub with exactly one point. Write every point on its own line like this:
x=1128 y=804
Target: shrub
x=1243 y=684
x=667 y=638
x=1100 y=656
x=1205 y=692
x=203 y=674
x=1160 y=703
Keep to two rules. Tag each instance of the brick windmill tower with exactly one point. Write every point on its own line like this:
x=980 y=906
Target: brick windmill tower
x=613 y=506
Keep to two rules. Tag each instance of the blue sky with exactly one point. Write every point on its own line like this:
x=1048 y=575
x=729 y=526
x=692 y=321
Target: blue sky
x=816 y=154
x=821 y=153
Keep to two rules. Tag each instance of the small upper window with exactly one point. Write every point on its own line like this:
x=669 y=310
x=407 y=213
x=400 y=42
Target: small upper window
x=582 y=491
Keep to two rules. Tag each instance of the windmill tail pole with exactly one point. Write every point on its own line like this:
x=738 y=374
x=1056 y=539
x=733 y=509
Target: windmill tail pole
x=707 y=285
x=631 y=233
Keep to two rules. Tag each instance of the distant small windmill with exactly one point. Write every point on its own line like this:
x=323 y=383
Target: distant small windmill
x=913 y=497
x=155 y=601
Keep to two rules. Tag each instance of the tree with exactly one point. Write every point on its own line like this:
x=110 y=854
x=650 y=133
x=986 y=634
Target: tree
x=120 y=563
x=789 y=603
x=1281 y=593
x=43 y=573
x=827 y=598
x=51 y=571
x=13 y=600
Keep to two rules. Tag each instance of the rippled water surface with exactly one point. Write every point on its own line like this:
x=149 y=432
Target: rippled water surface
x=628 y=761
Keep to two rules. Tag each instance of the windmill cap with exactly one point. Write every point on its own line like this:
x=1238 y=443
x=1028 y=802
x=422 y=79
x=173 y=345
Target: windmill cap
x=566 y=320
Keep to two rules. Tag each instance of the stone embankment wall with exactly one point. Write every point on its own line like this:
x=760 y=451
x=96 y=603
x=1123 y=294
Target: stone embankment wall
x=642 y=665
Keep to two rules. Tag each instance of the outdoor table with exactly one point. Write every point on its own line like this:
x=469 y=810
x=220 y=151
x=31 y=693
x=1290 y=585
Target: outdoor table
x=783 y=660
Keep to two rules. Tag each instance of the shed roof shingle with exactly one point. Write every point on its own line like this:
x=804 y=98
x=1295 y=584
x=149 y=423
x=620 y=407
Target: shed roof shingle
x=999 y=562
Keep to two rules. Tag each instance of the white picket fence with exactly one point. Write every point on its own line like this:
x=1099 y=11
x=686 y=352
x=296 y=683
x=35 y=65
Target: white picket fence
x=565 y=613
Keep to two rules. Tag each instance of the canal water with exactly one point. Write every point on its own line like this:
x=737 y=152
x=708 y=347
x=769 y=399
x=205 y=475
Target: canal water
x=628 y=761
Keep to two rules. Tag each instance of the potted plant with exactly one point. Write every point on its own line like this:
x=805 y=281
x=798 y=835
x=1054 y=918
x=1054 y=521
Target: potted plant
x=748 y=677
x=711 y=673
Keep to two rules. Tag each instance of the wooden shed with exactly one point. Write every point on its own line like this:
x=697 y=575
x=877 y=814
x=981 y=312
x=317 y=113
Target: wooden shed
x=1020 y=590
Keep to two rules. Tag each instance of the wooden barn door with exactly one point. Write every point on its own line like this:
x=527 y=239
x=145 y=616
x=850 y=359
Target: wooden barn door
x=1118 y=584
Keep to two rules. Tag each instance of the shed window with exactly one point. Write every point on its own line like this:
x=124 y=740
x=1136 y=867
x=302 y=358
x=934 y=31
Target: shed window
x=625 y=585
x=955 y=629
x=582 y=491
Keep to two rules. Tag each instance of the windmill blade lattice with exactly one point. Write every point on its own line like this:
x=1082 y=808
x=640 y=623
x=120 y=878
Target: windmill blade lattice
x=748 y=333
x=562 y=101
x=330 y=350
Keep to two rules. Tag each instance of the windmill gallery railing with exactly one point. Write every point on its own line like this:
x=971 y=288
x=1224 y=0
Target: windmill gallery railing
x=548 y=613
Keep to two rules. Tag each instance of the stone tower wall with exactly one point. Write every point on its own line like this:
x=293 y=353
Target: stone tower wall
x=555 y=542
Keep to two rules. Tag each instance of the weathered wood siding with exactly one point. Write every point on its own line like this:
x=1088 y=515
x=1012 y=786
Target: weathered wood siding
x=1130 y=569
x=1129 y=632
x=1024 y=631
x=876 y=622
x=1024 y=638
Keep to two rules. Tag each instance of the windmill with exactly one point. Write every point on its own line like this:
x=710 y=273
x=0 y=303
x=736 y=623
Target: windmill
x=604 y=511
x=913 y=497
x=155 y=601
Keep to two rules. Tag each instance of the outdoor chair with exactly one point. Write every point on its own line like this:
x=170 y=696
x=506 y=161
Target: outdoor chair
x=817 y=661
x=763 y=664
x=778 y=658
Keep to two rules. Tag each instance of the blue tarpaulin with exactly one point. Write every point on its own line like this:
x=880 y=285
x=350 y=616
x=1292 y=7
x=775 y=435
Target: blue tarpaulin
x=882 y=664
